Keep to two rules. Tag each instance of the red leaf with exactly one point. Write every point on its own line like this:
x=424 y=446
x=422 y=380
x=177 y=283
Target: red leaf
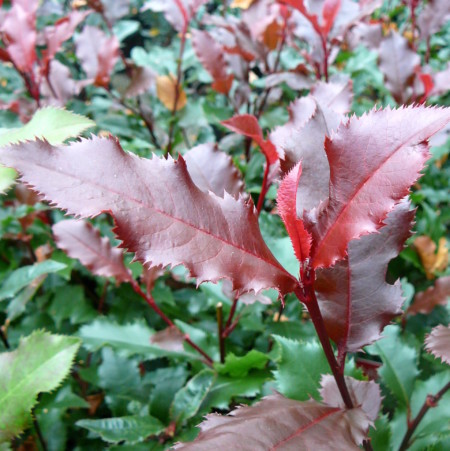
x=280 y=423
x=82 y=241
x=426 y=301
x=170 y=339
x=111 y=10
x=287 y=207
x=213 y=170
x=365 y=395
x=373 y=161
x=398 y=64
x=300 y=6
x=329 y=12
x=142 y=78
x=19 y=34
x=432 y=17
x=98 y=53
x=160 y=213
x=247 y=125
x=438 y=343
x=302 y=138
x=353 y=318
x=58 y=33
x=177 y=12
x=210 y=54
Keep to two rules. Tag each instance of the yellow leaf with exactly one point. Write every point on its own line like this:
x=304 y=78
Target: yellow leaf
x=432 y=261
x=242 y=4
x=166 y=89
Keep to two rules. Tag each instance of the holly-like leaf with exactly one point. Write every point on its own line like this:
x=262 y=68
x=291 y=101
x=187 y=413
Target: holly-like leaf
x=399 y=370
x=437 y=294
x=398 y=63
x=352 y=318
x=19 y=34
x=240 y=366
x=438 y=343
x=98 y=53
x=166 y=90
x=299 y=378
x=131 y=429
x=210 y=54
x=213 y=170
x=188 y=400
x=373 y=161
x=247 y=125
x=82 y=241
x=280 y=423
x=287 y=208
x=39 y=364
x=160 y=213
x=55 y=125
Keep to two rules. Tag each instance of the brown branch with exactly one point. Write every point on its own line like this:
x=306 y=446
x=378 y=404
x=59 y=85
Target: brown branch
x=219 y=315
x=430 y=401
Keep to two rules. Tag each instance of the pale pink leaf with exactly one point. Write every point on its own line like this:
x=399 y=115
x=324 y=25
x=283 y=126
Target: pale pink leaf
x=438 y=343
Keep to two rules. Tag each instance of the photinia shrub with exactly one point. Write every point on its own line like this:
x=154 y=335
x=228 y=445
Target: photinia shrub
x=267 y=256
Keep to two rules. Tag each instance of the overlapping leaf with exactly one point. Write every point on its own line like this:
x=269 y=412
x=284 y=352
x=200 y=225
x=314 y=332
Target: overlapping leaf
x=287 y=207
x=355 y=300
x=210 y=54
x=438 y=343
x=80 y=240
x=247 y=125
x=159 y=212
x=426 y=301
x=213 y=170
x=373 y=162
x=280 y=423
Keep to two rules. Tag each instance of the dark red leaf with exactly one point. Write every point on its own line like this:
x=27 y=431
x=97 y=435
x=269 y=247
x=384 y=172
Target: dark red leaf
x=438 y=343
x=247 y=125
x=280 y=423
x=426 y=301
x=19 y=34
x=97 y=53
x=210 y=54
x=373 y=161
x=287 y=208
x=213 y=170
x=355 y=300
x=82 y=241
x=142 y=78
x=398 y=64
x=177 y=12
x=160 y=213
x=329 y=12
x=60 y=32
x=300 y=6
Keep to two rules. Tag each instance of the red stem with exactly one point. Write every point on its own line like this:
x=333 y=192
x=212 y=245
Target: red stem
x=232 y=312
x=325 y=56
x=309 y=299
x=151 y=302
x=264 y=187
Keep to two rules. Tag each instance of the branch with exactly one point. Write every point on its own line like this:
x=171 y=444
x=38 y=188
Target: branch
x=151 y=302
x=430 y=401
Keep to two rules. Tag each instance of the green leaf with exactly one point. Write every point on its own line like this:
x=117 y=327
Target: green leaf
x=39 y=364
x=399 y=370
x=189 y=399
x=130 y=429
x=23 y=276
x=128 y=338
x=7 y=178
x=53 y=124
x=225 y=388
x=240 y=366
x=299 y=368
x=380 y=434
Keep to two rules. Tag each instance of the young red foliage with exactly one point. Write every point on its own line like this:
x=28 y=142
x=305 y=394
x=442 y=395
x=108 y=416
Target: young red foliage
x=438 y=343
x=160 y=213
